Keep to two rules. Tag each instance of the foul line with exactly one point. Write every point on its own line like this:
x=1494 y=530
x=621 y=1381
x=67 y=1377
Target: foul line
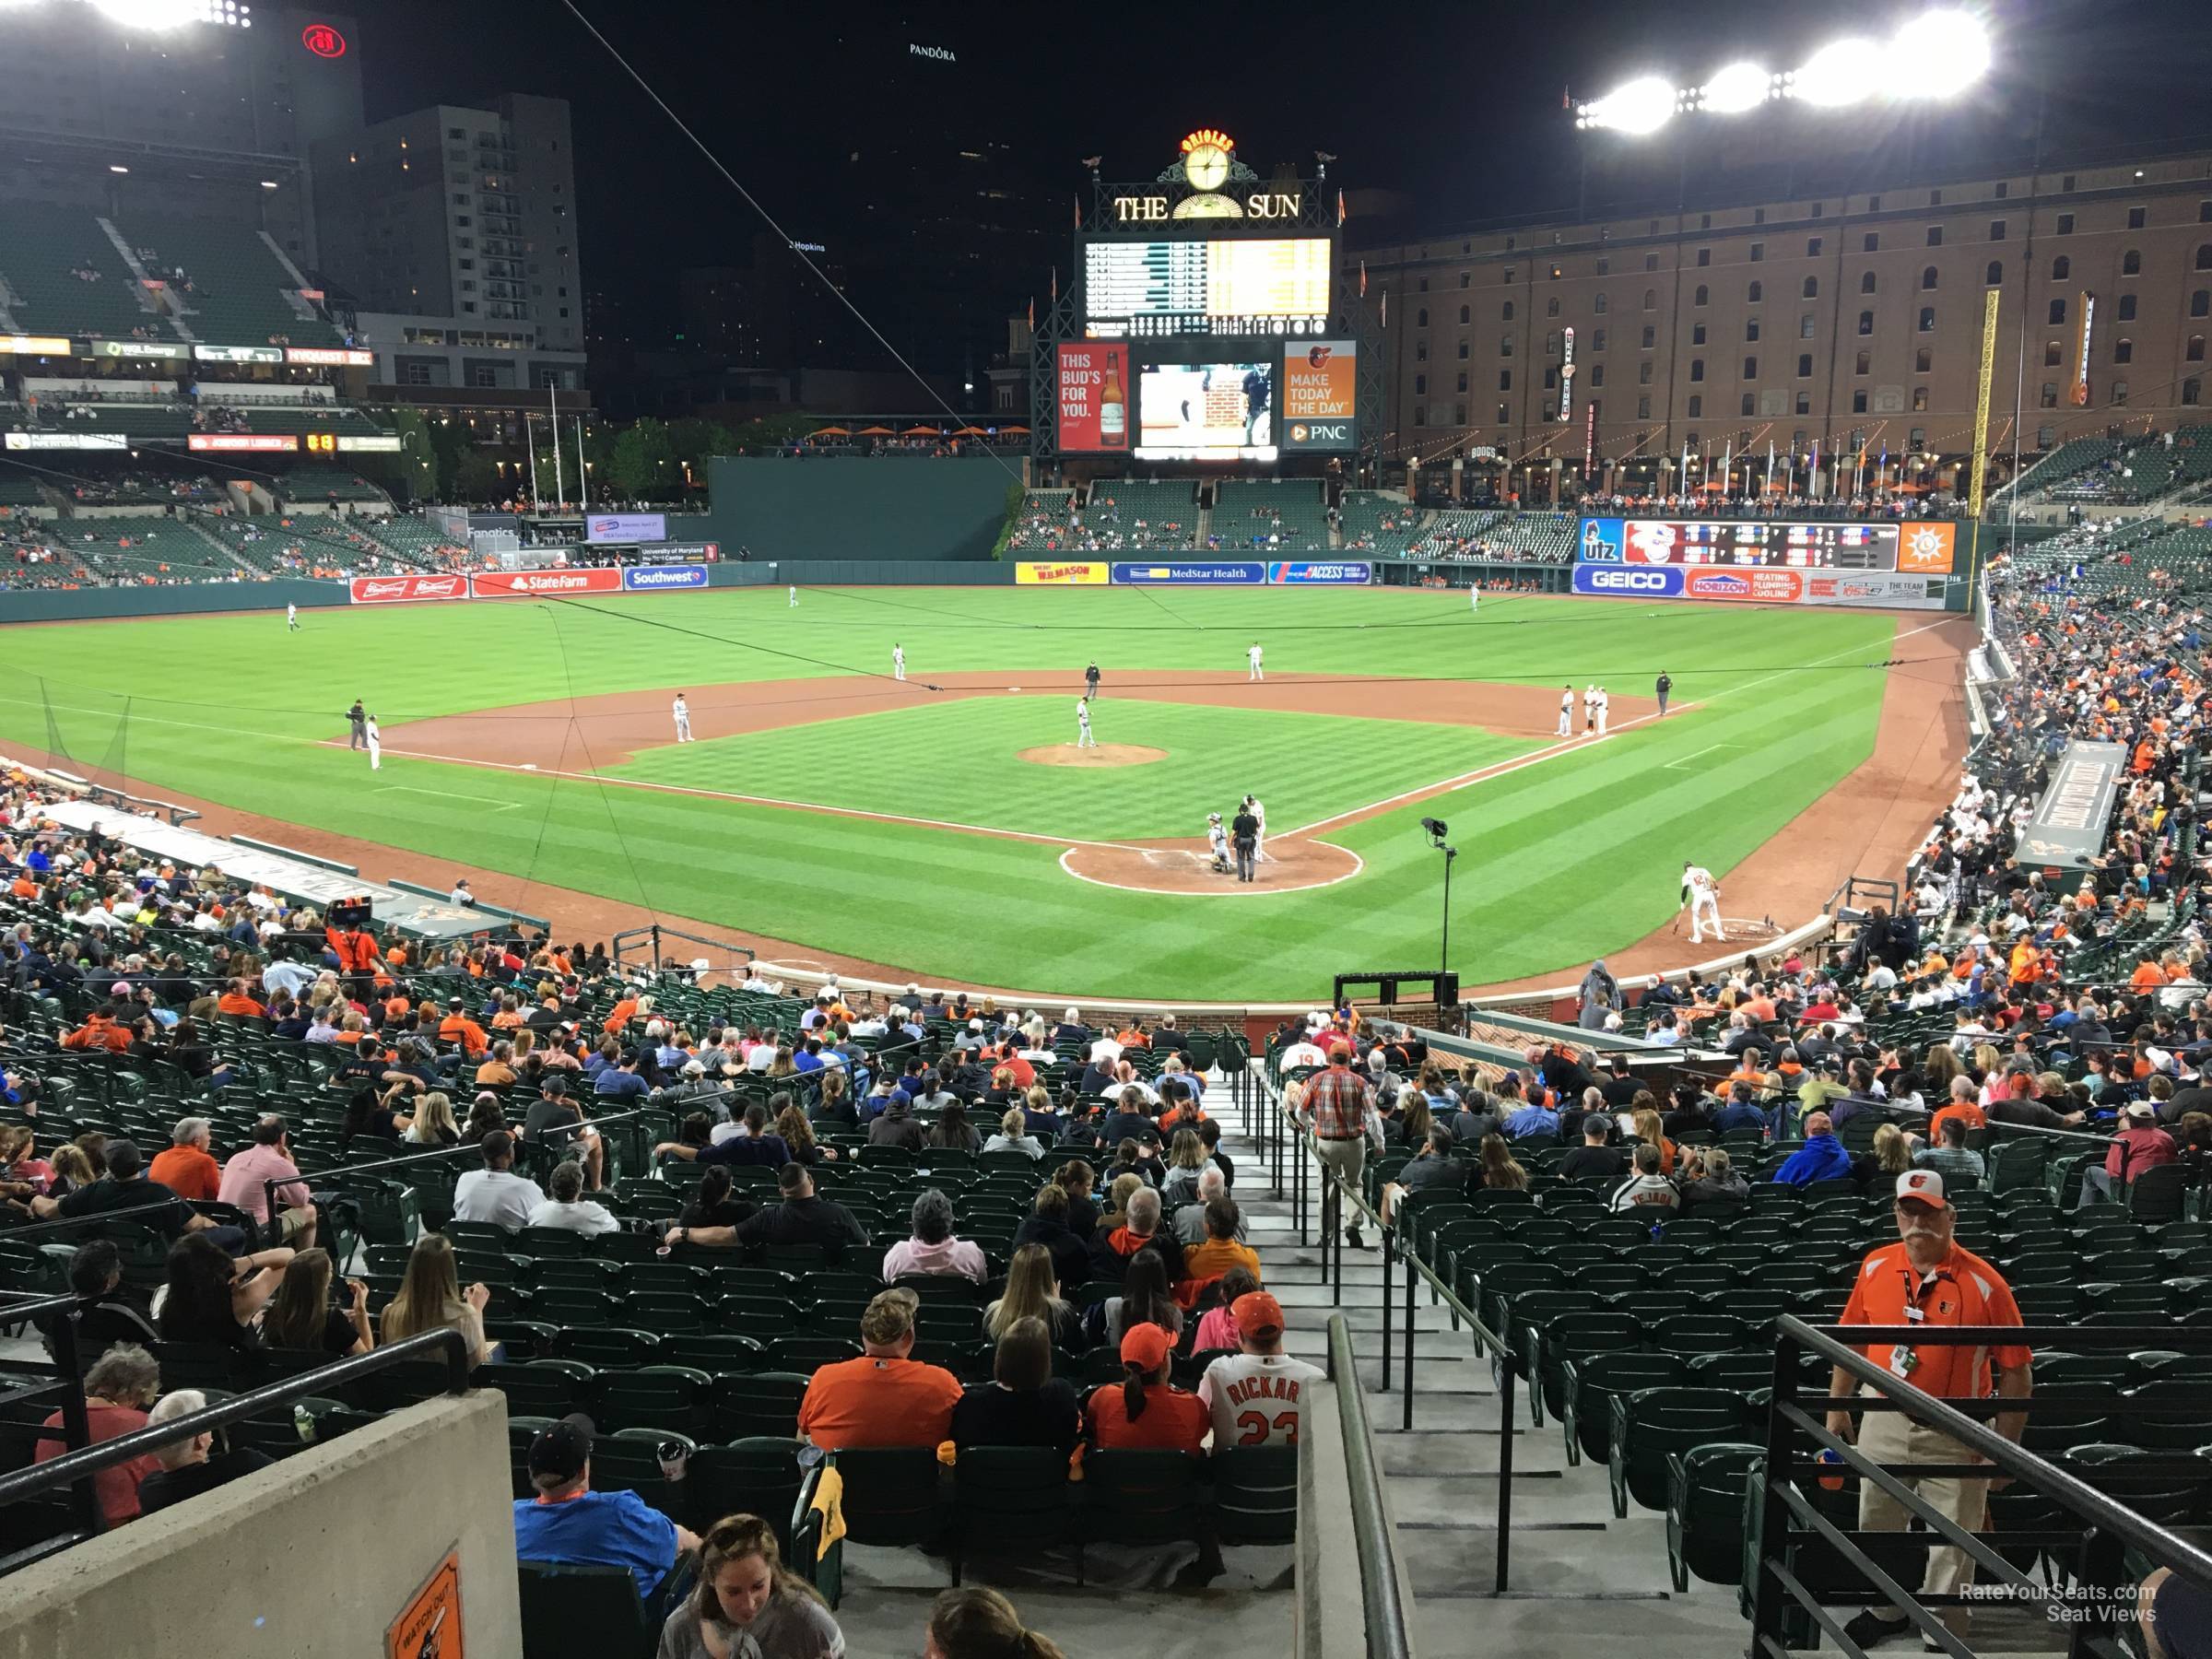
x=1683 y=764
x=450 y=794
x=1482 y=774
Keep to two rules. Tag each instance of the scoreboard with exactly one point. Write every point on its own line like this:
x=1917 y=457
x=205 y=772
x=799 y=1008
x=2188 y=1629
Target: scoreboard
x=1266 y=286
x=1757 y=542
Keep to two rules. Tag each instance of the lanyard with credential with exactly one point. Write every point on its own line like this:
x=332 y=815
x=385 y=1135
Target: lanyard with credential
x=1903 y=1359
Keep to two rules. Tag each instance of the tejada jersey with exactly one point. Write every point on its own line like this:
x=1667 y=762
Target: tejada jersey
x=1256 y=1399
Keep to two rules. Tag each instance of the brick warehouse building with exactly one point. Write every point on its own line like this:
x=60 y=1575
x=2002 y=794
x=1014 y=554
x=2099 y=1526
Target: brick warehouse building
x=1834 y=320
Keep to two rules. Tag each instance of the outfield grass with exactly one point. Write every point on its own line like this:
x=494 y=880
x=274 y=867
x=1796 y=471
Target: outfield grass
x=1561 y=859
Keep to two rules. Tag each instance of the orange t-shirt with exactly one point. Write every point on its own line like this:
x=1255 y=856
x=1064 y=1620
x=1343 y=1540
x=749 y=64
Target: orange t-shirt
x=2148 y=976
x=1964 y=1291
x=1173 y=1422
x=1974 y=1116
x=878 y=1402
x=237 y=1002
x=619 y=1016
x=188 y=1172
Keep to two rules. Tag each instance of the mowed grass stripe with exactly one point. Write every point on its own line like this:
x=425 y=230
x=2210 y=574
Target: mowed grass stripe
x=1562 y=860
x=958 y=761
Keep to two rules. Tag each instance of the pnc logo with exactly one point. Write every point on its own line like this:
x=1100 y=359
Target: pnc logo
x=1628 y=582
x=323 y=41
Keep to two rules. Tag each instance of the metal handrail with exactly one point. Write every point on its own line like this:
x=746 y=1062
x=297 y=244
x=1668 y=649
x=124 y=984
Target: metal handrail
x=9 y=1234
x=1371 y=1536
x=72 y=1466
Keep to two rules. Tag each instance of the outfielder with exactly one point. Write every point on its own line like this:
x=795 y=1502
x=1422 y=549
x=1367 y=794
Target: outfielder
x=292 y=619
x=1216 y=841
x=898 y=662
x=376 y=743
x=1254 y=657
x=1475 y=598
x=1702 y=897
x=1566 y=711
x=682 y=711
x=1083 y=737
x=794 y=599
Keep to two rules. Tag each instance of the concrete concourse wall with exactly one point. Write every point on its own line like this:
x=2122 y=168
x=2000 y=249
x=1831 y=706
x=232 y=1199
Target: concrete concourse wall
x=313 y=1558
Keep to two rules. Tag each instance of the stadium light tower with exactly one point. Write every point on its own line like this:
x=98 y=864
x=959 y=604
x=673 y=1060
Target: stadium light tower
x=1936 y=55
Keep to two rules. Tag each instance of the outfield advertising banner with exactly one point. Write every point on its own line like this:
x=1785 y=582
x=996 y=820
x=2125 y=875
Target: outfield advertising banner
x=664 y=578
x=1620 y=582
x=400 y=590
x=681 y=552
x=1350 y=573
x=1234 y=573
x=531 y=584
x=625 y=527
x=1879 y=588
x=1732 y=582
x=1032 y=573
x=2068 y=826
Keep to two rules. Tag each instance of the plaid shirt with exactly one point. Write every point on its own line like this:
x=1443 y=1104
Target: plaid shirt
x=1340 y=1106
x=1951 y=1162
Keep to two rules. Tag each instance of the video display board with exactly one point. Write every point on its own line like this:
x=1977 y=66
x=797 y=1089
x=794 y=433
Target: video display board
x=1764 y=542
x=1272 y=286
x=1205 y=411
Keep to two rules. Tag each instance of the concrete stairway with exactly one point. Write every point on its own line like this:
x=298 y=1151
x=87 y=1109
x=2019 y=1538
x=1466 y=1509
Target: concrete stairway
x=1581 y=1581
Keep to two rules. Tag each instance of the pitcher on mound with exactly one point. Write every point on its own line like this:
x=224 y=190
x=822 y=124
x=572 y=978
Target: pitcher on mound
x=1083 y=737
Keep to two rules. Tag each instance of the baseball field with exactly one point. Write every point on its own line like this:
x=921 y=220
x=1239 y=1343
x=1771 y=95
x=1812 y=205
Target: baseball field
x=948 y=827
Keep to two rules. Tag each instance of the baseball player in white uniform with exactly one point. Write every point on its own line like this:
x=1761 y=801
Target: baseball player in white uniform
x=292 y=619
x=682 y=711
x=1475 y=598
x=1083 y=737
x=899 y=661
x=1566 y=711
x=1254 y=657
x=1604 y=709
x=794 y=599
x=1590 y=709
x=1259 y=841
x=376 y=745
x=1702 y=897
x=1216 y=841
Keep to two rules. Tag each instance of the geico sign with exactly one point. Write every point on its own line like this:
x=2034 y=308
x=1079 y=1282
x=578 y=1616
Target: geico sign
x=1628 y=582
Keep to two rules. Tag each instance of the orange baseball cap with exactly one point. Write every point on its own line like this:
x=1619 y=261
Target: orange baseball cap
x=1258 y=1314
x=1146 y=1346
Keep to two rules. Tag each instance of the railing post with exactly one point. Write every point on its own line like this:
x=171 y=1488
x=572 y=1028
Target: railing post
x=1297 y=1176
x=77 y=1423
x=1774 y=1514
x=1408 y=1423
x=1505 y=1467
x=1332 y=1231
x=1388 y=1247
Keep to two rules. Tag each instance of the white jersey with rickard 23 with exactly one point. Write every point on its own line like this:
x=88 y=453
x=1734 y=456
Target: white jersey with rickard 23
x=1256 y=1399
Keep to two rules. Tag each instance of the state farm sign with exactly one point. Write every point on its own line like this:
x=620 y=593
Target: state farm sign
x=395 y=589
x=528 y=585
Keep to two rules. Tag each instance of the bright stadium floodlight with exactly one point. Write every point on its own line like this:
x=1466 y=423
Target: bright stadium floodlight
x=1641 y=107
x=1845 y=72
x=151 y=13
x=1938 y=53
x=1735 y=89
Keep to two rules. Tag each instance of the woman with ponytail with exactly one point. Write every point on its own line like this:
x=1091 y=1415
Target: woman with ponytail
x=745 y=1602
x=976 y=1623
x=1141 y=1412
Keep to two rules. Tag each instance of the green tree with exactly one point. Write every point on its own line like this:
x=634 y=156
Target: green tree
x=641 y=464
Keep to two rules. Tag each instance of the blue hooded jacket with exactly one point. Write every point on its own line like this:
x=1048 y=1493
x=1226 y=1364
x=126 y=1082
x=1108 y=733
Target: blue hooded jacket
x=1821 y=1157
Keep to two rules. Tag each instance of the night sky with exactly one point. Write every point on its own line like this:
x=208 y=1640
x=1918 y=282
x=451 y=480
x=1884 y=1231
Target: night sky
x=1457 y=107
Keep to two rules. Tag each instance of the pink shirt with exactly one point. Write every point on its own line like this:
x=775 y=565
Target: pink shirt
x=1216 y=1330
x=953 y=1255
x=243 y=1176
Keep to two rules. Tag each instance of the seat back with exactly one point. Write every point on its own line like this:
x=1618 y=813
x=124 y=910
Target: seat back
x=1255 y=1494
x=584 y=1612
x=1148 y=1495
x=891 y=1495
x=757 y=1476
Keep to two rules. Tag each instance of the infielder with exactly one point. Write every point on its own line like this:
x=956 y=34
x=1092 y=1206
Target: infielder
x=1566 y=711
x=1604 y=709
x=1083 y=737
x=1702 y=897
x=1216 y=841
x=1590 y=709
x=292 y=619
x=376 y=743
x=682 y=711
x=898 y=662
x=1254 y=657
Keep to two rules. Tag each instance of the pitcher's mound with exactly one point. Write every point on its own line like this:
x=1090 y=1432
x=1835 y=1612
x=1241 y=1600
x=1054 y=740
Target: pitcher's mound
x=1100 y=754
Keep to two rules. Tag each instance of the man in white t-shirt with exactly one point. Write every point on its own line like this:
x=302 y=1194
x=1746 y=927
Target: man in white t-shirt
x=495 y=1193
x=1257 y=1395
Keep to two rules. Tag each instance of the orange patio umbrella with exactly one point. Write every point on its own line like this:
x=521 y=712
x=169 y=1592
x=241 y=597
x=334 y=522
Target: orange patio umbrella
x=921 y=432
x=830 y=432
x=876 y=431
